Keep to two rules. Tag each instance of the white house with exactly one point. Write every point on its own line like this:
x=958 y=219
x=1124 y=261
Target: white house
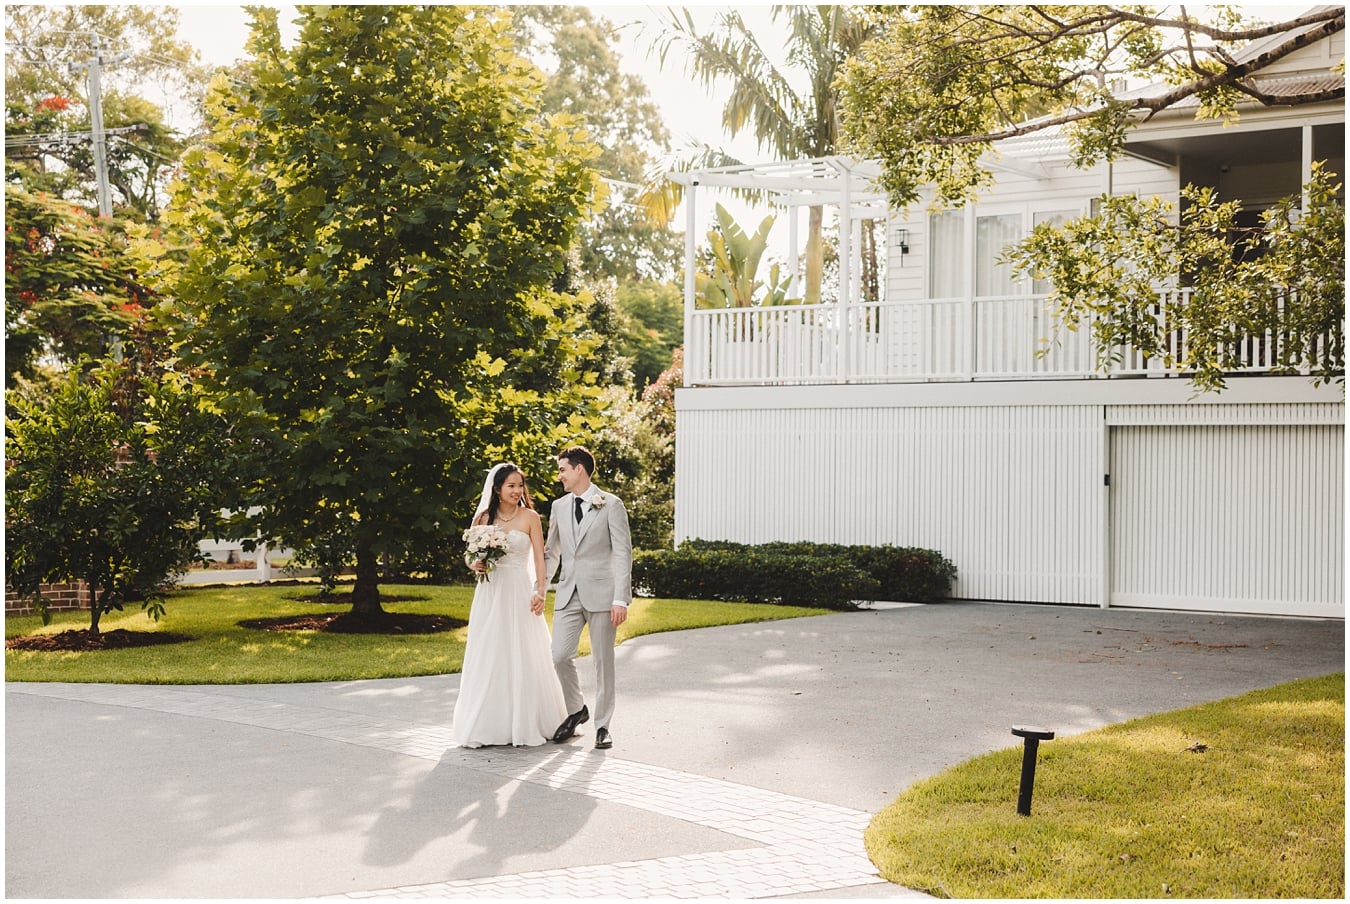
x=927 y=418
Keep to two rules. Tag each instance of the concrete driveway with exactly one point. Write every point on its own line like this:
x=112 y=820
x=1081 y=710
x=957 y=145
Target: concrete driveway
x=747 y=759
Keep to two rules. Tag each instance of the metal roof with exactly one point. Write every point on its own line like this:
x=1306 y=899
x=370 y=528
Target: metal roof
x=823 y=180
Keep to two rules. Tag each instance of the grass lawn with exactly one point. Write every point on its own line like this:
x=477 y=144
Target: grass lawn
x=222 y=652
x=1128 y=812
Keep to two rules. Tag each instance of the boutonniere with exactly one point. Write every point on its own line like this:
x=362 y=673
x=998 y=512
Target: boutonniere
x=598 y=501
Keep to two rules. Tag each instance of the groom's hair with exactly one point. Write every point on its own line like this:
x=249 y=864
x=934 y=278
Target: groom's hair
x=579 y=455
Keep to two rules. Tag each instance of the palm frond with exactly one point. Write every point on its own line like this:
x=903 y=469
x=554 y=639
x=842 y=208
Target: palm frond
x=659 y=196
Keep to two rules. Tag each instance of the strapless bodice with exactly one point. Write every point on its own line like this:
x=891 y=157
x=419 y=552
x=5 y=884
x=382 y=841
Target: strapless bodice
x=517 y=550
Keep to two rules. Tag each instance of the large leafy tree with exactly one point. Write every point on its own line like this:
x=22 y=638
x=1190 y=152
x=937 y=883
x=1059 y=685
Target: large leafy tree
x=654 y=315
x=643 y=310
x=74 y=285
x=937 y=86
x=787 y=119
x=379 y=218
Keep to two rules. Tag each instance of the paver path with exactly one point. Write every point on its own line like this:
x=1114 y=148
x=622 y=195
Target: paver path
x=801 y=846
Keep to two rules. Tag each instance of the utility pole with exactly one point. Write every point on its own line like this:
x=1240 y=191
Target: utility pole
x=94 y=66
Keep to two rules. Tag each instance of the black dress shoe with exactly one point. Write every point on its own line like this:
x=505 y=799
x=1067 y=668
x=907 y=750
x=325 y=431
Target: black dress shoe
x=602 y=739
x=569 y=726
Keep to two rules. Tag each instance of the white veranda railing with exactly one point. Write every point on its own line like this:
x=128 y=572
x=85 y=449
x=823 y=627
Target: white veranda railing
x=1009 y=338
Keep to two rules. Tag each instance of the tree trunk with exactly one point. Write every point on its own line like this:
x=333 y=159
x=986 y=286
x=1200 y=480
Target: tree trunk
x=366 y=590
x=95 y=607
x=871 y=274
x=815 y=256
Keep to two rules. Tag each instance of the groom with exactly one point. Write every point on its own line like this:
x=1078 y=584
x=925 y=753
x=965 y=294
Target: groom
x=588 y=536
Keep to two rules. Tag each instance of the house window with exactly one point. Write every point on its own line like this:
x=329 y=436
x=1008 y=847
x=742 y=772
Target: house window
x=947 y=254
x=953 y=265
x=993 y=234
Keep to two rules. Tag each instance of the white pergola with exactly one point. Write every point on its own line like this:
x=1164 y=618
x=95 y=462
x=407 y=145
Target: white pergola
x=845 y=183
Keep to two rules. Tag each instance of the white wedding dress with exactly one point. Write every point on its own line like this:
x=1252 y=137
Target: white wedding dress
x=509 y=691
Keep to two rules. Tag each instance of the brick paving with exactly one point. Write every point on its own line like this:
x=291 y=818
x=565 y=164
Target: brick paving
x=804 y=847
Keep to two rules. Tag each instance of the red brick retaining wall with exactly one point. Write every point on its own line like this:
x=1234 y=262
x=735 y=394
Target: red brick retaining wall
x=59 y=596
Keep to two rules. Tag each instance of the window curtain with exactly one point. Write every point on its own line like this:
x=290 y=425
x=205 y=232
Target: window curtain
x=992 y=235
x=947 y=255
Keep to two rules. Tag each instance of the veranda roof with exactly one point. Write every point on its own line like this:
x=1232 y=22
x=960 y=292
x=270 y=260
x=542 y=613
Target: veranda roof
x=834 y=180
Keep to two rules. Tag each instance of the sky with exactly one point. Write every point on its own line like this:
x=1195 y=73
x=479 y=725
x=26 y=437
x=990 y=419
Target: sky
x=219 y=33
x=691 y=114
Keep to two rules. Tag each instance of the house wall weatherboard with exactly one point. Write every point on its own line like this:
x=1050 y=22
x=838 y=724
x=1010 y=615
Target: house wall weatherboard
x=1015 y=494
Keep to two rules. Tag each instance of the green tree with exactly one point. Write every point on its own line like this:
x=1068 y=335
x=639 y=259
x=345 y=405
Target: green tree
x=635 y=449
x=789 y=121
x=652 y=327
x=113 y=480
x=1283 y=286
x=654 y=492
x=577 y=50
x=937 y=86
x=378 y=220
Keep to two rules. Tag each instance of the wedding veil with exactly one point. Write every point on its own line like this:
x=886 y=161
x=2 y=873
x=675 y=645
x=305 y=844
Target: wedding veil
x=486 y=497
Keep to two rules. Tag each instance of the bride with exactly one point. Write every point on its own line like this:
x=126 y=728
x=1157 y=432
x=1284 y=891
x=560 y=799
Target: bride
x=509 y=691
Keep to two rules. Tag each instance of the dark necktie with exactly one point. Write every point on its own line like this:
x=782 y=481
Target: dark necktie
x=577 y=500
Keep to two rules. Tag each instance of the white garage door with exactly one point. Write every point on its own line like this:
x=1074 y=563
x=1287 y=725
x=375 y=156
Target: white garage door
x=1229 y=518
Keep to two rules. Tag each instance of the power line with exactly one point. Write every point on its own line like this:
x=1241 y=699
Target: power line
x=144 y=150
x=41 y=138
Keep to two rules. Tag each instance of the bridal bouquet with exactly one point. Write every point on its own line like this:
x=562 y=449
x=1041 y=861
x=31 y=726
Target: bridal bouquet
x=487 y=544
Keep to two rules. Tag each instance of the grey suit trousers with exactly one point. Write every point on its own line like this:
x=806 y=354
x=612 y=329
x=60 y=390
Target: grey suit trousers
x=567 y=624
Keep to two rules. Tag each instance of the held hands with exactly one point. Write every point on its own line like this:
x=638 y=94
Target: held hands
x=537 y=603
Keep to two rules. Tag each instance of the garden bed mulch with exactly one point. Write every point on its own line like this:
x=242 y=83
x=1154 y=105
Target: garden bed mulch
x=82 y=641
x=346 y=623
x=345 y=599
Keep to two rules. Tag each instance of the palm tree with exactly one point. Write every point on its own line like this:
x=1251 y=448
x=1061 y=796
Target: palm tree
x=789 y=123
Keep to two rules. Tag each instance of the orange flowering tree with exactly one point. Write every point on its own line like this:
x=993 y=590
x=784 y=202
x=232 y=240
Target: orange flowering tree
x=72 y=283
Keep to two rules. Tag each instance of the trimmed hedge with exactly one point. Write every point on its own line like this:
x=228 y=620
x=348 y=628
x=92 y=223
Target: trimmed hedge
x=830 y=576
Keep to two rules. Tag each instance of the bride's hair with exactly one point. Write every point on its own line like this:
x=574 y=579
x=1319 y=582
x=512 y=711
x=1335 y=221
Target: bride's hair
x=498 y=480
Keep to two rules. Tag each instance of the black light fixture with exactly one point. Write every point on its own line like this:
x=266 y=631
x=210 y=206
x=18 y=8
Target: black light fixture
x=902 y=239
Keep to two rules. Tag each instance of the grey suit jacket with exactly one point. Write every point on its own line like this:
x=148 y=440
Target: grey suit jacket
x=594 y=558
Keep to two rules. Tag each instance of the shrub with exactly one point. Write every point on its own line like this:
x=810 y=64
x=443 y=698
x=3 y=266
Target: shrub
x=112 y=481
x=752 y=575
x=901 y=572
x=906 y=574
